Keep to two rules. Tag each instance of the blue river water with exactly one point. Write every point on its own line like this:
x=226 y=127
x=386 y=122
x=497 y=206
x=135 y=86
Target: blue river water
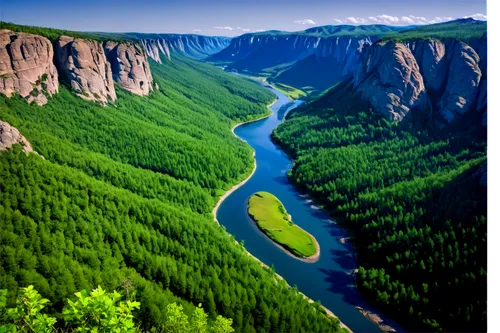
x=328 y=280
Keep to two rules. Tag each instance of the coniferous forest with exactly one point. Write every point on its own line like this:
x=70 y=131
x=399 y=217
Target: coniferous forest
x=412 y=195
x=108 y=225
x=125 y=193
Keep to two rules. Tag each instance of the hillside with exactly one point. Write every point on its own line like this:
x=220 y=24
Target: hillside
x=125 y=180
x=410 y=185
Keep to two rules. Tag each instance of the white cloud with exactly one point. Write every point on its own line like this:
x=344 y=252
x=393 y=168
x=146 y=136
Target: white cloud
x=259 y=30
x=338 y=21
x=305 y=21
x=224 y=28
x=356 y=20
x=407 y=20
x=477 y=16
x=197 y=30
x=243 y=29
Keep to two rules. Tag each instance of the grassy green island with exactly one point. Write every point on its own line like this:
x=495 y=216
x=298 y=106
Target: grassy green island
x=271 y=217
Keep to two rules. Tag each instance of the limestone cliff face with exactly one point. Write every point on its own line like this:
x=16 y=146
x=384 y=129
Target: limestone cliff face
x=130 y=67
x=194 y=46
x=388 y=77
x=443 y=76
x=26 y=66
x=82 y=63
x=10 y=136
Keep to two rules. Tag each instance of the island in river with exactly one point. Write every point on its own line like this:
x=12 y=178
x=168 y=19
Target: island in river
x=272 y=219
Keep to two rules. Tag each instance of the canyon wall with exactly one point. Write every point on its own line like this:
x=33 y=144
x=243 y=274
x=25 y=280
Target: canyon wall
x=446 y=77
x=193 y=46
x=31 y=66
x=130 y=67
x=26 y=66
x=83 y=65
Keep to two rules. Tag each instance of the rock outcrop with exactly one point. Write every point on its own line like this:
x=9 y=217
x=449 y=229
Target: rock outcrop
x=334 y=59
x=451 y=75
x=130 y=67
x=82 y=63
x=193 y=46
x=26 y=66
x=444 y=77
x=388 y=77
x=10 y=136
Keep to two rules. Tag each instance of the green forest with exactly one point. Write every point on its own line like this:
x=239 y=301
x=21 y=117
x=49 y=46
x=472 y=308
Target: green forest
x=125 y=193
x=100 y=311
x=410 y=193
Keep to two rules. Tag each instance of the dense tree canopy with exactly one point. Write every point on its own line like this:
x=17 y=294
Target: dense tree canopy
x=125 y=192
x=411 y=194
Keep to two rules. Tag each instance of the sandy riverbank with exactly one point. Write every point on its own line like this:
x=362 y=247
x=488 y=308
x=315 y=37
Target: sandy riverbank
x=234 y=188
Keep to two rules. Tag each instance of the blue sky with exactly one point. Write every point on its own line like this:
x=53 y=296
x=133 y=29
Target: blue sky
x=229 y=17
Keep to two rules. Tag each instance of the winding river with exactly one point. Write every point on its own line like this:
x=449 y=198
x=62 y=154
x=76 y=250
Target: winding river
x=326 y=280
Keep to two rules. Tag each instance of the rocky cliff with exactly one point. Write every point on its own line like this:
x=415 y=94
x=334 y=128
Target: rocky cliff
x=83 y=65
x=313 y=60
x=334 y=59
x=193 y=46
x=257 y=52
x=30 y=67
x=26 y=66
x=130 y=67
x=445 y=77
x=10 y=136
x=388 y=77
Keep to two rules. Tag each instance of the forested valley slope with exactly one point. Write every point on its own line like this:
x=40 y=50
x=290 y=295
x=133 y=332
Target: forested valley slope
x=130 y=159
x=396 y=152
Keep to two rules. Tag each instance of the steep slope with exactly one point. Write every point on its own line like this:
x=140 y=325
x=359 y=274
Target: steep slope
x=126 y=193
x=193 y=46
x=312 y=60
x=130 y=67
x=431 y=77
x=412 y=193
x=319 y=57
x=26 y=66
x=334 y=59
x=10 y=136
x=83 y=65
x=30 y=67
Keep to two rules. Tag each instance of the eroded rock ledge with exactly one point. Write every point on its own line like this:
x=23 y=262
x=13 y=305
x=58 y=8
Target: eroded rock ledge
x=447 y=77
x=10 y=136
x=30 y=67
x=130 y=67
x=26 y=66
x=82 y=63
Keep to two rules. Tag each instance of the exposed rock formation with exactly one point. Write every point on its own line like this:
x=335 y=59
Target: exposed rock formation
x=388 y=77
x=152 y=48
x=260 y=51
x=334 y=59
x=130 y=67
x=82 y=63
x=451 y=74
x=194 y=46
x=10 y=136
x=445 y=77
x=26 y=66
